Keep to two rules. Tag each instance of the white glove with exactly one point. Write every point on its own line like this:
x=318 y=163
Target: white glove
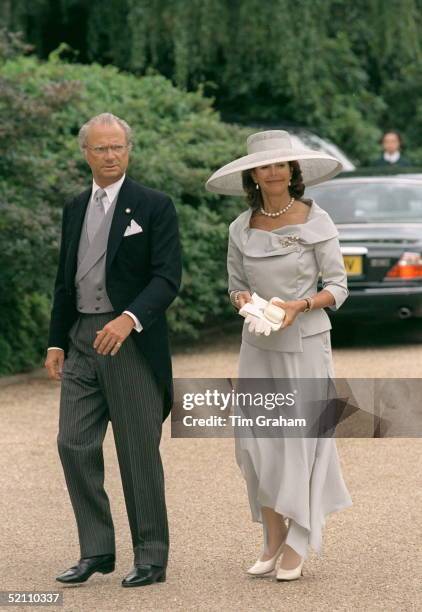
x=258 y=326
x=261 y=316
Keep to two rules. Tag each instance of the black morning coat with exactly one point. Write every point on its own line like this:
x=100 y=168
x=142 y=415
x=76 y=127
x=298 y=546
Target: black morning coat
x=143 y=272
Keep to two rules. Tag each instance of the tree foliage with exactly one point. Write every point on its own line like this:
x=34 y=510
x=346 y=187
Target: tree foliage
x=347 y=69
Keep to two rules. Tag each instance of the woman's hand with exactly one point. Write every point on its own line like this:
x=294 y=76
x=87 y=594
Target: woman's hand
x=242 y=298
x=292 y=309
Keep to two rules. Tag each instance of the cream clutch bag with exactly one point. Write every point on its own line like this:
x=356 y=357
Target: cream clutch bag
x=262 y=316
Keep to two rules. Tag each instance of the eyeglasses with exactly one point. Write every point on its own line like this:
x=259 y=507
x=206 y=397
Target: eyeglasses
x=118 y=149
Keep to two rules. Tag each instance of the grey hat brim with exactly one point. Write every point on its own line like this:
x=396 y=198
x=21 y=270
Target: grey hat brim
x=316 y=167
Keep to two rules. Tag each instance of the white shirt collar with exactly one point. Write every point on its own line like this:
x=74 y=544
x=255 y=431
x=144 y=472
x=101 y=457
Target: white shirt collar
x=392 y=157
x=111 y=190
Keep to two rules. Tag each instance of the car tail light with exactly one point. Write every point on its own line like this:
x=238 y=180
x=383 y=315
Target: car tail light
x=408 y=266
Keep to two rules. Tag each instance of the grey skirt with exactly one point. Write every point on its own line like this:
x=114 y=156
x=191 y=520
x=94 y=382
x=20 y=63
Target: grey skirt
x=299 y=478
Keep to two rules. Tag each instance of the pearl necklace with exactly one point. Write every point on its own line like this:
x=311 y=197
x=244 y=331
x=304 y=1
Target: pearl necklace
x=280 y=212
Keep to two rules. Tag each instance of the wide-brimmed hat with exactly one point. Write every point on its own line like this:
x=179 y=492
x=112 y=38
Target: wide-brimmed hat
x=271 y=147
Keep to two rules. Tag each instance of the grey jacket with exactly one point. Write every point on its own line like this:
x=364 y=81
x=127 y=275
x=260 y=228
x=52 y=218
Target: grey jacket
x=286 y=263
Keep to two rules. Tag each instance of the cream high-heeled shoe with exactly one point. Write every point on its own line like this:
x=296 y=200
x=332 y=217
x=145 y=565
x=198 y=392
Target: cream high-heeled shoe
x=266 y=568
x=291 y=574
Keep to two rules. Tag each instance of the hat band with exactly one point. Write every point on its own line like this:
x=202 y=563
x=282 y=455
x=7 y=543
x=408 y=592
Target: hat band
x=269 y=144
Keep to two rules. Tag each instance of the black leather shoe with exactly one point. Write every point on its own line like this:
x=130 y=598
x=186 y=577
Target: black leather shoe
x=86 y=567
x=141 y=575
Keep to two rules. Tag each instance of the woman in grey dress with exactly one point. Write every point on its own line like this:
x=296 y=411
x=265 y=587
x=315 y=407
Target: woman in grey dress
x=278 y=248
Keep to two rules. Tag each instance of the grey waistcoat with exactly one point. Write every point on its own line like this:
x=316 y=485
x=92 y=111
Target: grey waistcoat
x=91 y=294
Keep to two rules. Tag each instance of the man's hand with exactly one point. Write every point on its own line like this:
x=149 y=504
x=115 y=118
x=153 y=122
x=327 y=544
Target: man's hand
x=54 y=363
x=111 y=337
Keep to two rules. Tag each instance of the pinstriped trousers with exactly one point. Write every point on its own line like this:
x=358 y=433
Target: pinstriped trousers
x=122 y=389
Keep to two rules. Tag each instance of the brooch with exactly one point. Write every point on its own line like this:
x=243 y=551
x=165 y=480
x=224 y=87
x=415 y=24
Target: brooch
x=289 y=240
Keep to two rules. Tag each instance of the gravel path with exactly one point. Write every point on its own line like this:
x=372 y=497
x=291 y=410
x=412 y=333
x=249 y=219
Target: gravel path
x=372 y=551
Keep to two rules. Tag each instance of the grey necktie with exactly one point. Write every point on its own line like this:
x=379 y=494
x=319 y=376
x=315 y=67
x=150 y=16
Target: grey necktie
x=96 y=214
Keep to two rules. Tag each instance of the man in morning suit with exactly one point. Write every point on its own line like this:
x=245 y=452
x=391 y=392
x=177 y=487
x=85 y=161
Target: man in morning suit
x=119 y=270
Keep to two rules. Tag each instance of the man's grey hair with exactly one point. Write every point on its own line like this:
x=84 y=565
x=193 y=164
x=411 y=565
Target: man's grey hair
x=103 y=119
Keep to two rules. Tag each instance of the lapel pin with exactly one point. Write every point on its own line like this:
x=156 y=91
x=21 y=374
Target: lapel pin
x=128 y=211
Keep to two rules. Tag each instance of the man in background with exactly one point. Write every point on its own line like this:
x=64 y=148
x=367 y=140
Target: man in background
x=392 y=156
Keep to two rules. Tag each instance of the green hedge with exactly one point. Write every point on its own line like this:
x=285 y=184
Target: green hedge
x=179 y=142
x=28 y=254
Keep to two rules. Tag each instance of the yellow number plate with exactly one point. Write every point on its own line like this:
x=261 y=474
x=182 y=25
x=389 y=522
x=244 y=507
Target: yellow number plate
x=353 y=265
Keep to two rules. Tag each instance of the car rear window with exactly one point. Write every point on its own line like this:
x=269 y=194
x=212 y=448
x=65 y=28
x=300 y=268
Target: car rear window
x=369 y=202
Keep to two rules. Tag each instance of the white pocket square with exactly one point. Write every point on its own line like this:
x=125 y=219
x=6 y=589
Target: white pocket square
x=133 y=228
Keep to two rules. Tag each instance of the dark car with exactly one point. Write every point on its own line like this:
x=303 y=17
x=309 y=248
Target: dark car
x=379 y=219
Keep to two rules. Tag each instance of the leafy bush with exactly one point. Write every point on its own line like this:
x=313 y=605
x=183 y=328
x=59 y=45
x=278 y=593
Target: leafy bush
x=28 y=253
x=179 y=141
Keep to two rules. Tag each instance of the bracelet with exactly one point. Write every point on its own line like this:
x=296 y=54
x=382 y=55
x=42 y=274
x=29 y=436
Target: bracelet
x=309 y=304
